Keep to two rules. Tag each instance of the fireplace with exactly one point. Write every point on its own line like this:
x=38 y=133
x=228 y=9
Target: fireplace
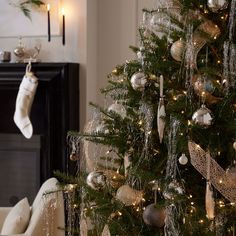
x=26 y=163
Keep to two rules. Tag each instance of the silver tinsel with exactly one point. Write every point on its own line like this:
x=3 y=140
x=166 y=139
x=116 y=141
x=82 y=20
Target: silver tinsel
x=172 y=227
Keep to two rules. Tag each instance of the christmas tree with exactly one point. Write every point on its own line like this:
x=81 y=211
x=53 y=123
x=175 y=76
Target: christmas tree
x=160 y=160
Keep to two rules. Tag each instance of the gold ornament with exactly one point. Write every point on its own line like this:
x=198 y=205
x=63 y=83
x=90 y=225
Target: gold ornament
x=129 y=196
x=177 y=49
x=96 y=180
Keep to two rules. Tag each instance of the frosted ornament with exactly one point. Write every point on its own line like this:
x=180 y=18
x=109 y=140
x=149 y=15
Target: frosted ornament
x=216 y=5
x=96 y=180
x=183 y=160
x=118 y=108
x=138 y=81
x=128 y=195
x=203 y=84
x=177 y=49
x=154 y=216
x=203 y=117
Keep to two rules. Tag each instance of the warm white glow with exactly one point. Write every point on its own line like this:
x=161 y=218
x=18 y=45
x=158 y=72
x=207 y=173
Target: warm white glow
x=48 y=7
x=63 y=11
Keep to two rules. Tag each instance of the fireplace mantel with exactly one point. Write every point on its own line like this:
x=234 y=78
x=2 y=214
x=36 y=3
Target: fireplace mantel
x=54 y=112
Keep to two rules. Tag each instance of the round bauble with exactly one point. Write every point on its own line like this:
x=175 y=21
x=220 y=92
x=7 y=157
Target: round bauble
x=177 y=49
x=234 y=145
x=216 y=5
x=203 y=117
x=203 y=84
x=118 y=108
x=183 y=160
x=96 y=180
x=154 y=216
x=231 y=172
x=128 y=195
x=174 y=188
x=138 y=81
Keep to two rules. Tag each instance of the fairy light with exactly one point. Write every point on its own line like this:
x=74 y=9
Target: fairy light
x=218 y=153
x=232 y=203
x=198 y=146
x=140 y=122
x=181 y=134
x=119 y=213
x=201 y=221
x=182 y=112
x=189 y=122
x=220 y=181
x=218 y=62
x=192 y=203
x=174 y=98
x=143 y=200
x=201 y=6
x=205 y=11
x=190 y=196
x=217 y=81
x=215 y=37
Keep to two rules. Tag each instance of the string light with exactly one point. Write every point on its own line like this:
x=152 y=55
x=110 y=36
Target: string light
x=174 y=98
x=201 y=221
x=220 y=181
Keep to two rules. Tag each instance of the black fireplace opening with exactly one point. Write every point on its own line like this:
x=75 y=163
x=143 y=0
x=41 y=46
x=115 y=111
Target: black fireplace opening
x=26 y=163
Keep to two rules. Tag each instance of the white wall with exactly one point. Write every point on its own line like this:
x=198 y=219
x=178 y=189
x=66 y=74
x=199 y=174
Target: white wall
x=98 y=34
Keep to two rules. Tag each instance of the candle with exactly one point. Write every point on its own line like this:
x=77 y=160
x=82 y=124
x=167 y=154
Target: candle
x=49 y=24
x=161 y=86
x=63 y=26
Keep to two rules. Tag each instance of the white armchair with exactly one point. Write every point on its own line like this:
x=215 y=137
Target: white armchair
x=46 y=212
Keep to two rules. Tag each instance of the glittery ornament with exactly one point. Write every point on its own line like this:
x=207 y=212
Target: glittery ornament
x=128 y=195
x=174 y=188
x=203 y=84
x=118 y=108
x=96 y=180
x=138 y=81
x=216 y=5
x=154 y=216
x=183 y=160
x=203 y=117
x=177 y=49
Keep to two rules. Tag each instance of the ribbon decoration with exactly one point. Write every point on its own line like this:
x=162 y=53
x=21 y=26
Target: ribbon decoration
x=219 y=178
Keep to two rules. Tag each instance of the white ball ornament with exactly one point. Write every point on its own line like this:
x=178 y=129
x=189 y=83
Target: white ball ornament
x=177 y=49
x=183 y=160
x=138 y=81
x=216 y=5
x=96 y=180
x=234 y=145
x=118 y=108
x=128 y=195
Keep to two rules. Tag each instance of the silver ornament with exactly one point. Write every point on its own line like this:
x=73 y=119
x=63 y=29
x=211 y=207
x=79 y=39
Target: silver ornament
x=118 y=108
x=203 y=84
x=138 y=81
x=128 y=195
x=177 y=49
x=203 y=117
x=234 y=145
x=154 y=216
x=96 y=180
x=216 y=5
x=183 y=160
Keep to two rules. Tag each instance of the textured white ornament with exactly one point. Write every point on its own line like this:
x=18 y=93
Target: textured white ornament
x=183 y=160
x=96 y=180
x=174 y=188
x=210 y=202
x=161 y=114
x=203 y=117
x=177 y=49
x=128 y=195
x=138 y=81
x=118 y=108
x=216 y=5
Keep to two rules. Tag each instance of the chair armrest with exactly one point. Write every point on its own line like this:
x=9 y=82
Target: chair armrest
x=3 y=213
